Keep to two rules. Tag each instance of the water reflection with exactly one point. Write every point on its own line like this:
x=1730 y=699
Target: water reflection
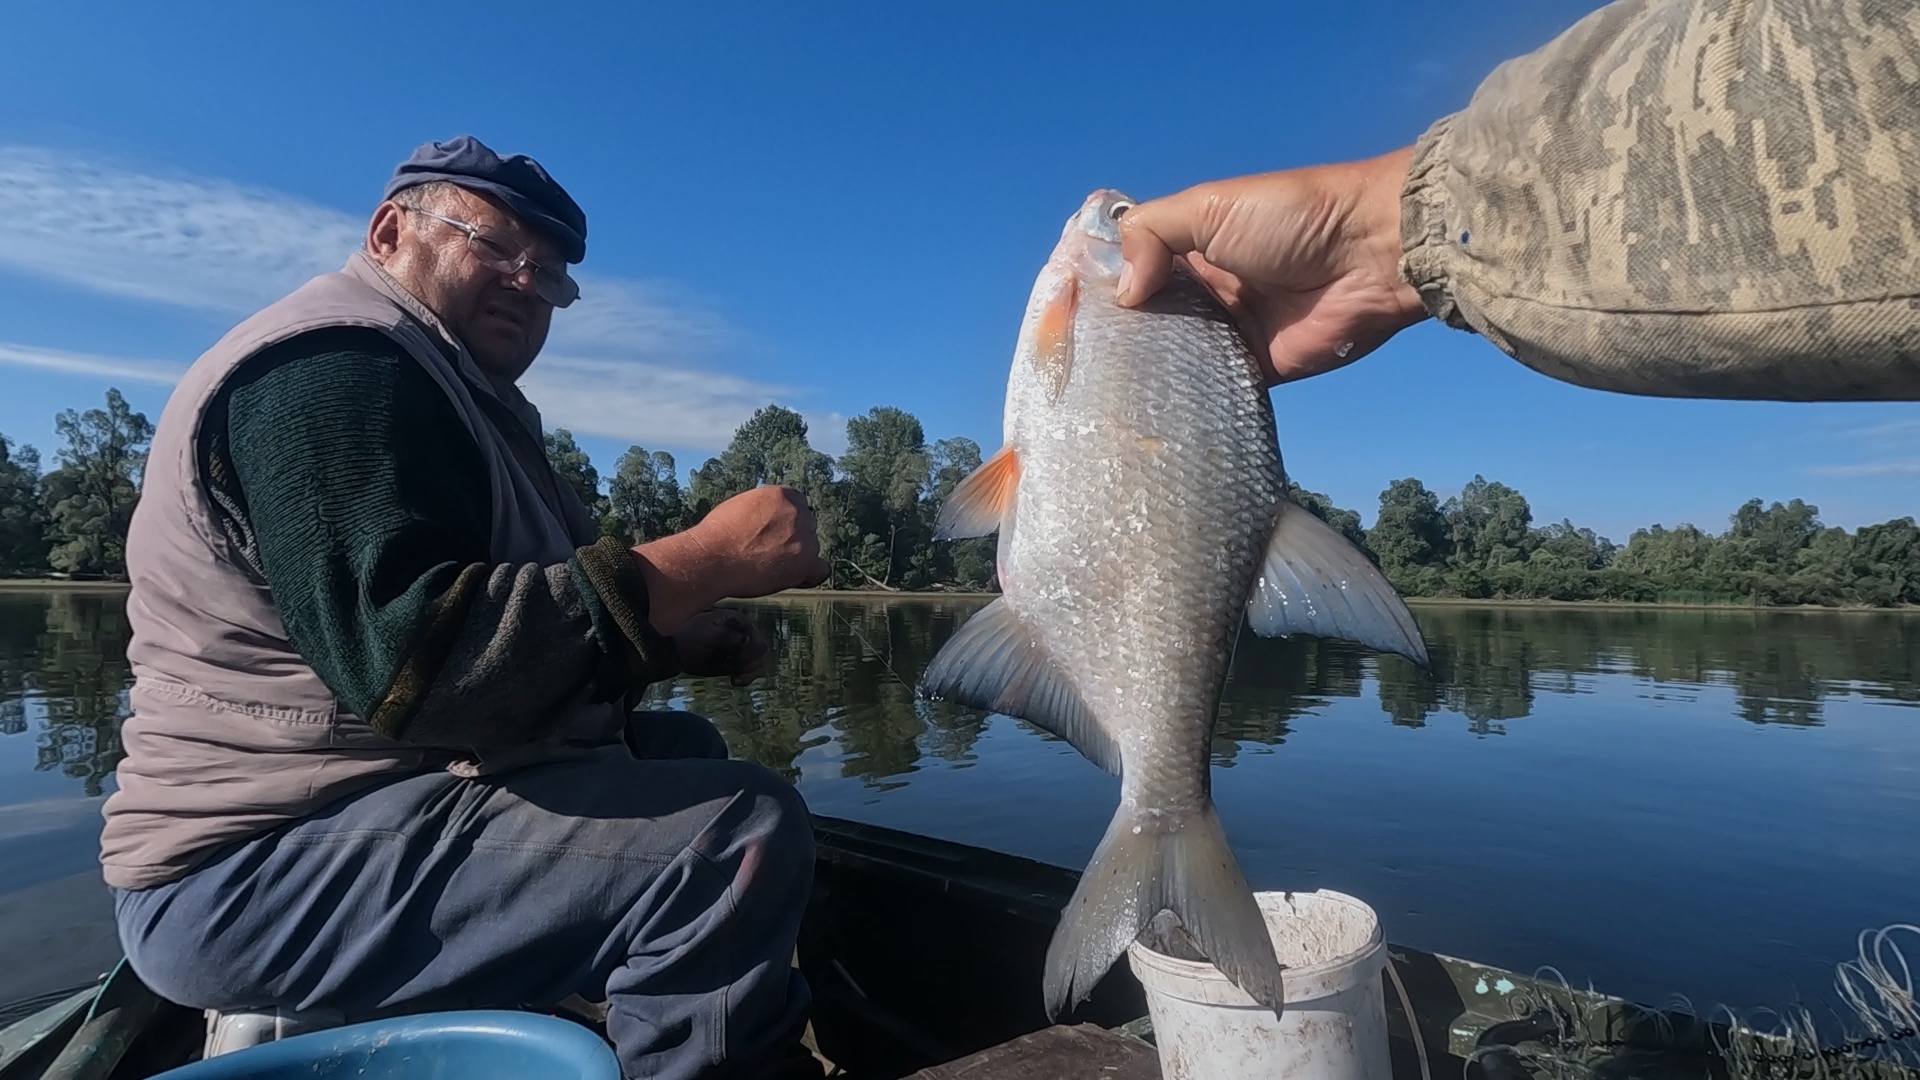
x=64 y=677
x=841 y=688
x=847 y=667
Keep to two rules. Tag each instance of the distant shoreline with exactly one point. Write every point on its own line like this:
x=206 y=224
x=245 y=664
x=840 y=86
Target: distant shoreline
x=1428 y=601
x=63 y=585
x=901 y=594
x=1657 y=605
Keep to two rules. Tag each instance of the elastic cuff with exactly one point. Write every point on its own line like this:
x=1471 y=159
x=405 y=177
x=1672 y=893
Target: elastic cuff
x=1427 y=247
x=392 y=715
x=619 y=589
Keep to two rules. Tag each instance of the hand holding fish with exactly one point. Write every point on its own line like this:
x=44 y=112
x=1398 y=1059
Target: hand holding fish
x=1143 y=520
x=1307 y=260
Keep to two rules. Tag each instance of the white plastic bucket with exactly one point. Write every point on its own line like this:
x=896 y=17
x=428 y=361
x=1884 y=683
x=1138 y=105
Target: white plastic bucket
x=1334 y=1026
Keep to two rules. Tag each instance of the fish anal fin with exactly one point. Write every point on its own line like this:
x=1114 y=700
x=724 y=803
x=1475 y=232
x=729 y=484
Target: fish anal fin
x=983 y=500
x=1315 y=581
x=993 y=662
x=1053 y=339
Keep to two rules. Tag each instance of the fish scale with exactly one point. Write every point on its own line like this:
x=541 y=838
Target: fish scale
x=1159 y=505
x=1142 y=513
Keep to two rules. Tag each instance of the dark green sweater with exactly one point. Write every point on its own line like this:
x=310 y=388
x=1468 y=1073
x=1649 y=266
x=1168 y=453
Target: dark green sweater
x=350 y=484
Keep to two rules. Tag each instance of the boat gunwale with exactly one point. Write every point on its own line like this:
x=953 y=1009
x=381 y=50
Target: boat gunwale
x=1457 y=1004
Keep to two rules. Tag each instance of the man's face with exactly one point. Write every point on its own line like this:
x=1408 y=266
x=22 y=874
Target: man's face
x=500 y=318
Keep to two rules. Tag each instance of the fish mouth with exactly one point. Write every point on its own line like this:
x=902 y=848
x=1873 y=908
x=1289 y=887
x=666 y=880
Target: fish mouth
x=1098 y=218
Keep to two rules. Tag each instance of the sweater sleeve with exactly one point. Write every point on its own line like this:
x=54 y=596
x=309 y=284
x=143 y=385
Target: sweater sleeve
x=366 y=504
x=1690 y=199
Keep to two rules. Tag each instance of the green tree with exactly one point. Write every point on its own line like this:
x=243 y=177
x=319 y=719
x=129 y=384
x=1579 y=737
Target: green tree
x=1345 y=522
x=1411 y=538
x=1567 y=563
x=91 y=496
x=1821 y=571
x=877 y=504
x=794 y=464
x=888 y=470
x=744 y=463
x=771 y=448
x=1489 y=525
x=575 y=467
x=969 y=563
x=1885 y=563
x=644 y=500
x=23 y=519
x=1659 y=563
x=1760 y=552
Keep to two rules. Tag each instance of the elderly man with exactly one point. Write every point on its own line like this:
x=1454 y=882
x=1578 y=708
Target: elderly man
x=381 y=754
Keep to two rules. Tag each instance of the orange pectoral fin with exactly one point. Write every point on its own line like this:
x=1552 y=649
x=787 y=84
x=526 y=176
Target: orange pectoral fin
x=1053 y=340
x=983 y=500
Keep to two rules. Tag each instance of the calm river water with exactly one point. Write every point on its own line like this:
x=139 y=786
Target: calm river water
x=1711 y=805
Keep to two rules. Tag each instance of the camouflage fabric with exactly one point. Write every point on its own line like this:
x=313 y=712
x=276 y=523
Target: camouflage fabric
x=1689 y=198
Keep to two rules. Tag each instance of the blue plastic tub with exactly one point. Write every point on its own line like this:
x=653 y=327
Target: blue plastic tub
x=473 y=1045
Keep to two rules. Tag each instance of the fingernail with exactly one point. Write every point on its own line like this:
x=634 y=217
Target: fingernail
x=1126 y=280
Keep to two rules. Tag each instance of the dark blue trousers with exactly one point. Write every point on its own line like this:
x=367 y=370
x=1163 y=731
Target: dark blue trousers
x=668 y=882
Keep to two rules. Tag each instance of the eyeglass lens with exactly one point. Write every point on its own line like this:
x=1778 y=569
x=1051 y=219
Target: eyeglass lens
x=555 y=286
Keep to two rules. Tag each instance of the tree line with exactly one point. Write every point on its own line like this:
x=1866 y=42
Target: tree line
x=877 y=502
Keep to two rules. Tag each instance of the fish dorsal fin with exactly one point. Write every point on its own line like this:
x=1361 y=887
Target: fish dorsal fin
x=983 y=500
x=994 y=663
x=1314 y=581
x=1053 y=340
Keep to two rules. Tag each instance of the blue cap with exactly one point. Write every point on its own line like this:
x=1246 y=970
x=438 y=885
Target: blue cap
x=518 y=181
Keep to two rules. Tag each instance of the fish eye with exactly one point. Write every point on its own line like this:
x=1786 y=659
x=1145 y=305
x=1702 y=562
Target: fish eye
x=1117 y=209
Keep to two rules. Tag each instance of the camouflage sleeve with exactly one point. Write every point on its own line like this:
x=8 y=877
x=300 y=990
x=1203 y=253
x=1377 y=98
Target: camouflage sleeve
x=1689 y=198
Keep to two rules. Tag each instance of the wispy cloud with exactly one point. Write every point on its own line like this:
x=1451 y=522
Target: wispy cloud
x=1892 y=448
x=695 y=410
x=613 y=398
x=1905 y=430
x=186 y=242
x=827 y=433
x=162 y=372
x=628 y=318
x=1898 y=467
x=630 y=360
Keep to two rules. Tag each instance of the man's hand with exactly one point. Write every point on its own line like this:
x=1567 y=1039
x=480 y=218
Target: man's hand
x=754 y=544
x=768 y=539
x=722 y=642
x=1308 y=260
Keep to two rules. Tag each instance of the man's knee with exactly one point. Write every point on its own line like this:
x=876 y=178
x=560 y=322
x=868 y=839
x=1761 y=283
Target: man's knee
x=767 y=831
x=794 y=831
x=174 y=956
x=669 y=733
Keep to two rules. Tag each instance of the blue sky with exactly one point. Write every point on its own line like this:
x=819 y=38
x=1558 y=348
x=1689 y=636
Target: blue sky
x=829 y=206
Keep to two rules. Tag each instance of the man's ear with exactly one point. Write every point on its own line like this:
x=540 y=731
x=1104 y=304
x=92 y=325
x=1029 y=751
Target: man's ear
x=383 y=231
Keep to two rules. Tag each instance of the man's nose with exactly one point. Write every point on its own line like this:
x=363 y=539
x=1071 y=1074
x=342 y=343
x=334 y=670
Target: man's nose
x=521 y=279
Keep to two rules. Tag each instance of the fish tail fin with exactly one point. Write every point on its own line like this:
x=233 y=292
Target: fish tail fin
x=1145 y=865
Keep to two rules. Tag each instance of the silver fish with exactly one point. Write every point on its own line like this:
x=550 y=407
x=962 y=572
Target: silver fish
x=1142 y=512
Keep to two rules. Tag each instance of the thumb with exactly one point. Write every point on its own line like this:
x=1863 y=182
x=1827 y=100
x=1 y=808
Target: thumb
x=1157 y=231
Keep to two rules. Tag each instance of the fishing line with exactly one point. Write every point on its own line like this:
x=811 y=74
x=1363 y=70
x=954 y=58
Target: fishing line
x=885 y=661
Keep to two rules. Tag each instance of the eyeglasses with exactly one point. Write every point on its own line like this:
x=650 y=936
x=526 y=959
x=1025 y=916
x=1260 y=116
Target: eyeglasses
x=553 y=284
